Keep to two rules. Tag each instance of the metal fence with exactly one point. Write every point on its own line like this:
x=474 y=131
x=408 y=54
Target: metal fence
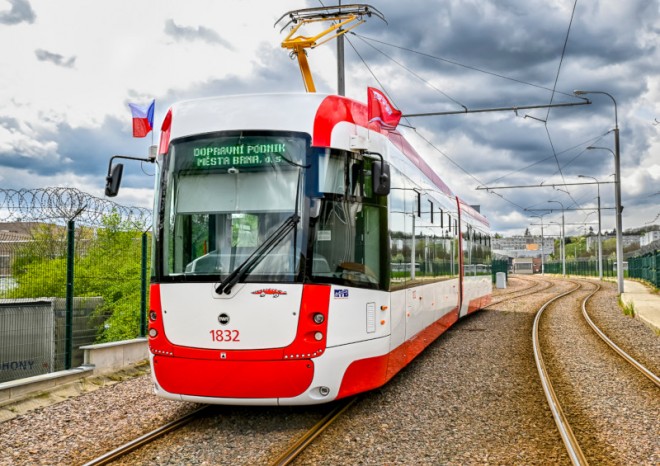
x=500 y=265
x=72 y=272
x=646 y=267
x=588 y=268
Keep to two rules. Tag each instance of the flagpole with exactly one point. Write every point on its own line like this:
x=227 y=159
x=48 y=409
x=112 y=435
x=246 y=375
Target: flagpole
x=152 y=131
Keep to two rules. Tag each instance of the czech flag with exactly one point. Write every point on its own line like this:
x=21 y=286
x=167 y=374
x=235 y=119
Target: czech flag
x=143 y=119
x=380 y=110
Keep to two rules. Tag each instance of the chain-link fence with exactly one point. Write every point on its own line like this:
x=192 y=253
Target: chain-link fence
x=72 y=272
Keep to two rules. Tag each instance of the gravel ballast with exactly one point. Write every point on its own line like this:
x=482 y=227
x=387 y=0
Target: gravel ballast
x=472 y=397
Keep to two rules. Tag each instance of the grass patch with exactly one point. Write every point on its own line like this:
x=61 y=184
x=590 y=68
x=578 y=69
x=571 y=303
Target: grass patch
x=628 y=309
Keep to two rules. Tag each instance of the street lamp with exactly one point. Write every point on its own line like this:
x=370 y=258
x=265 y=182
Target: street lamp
x=563 y=240
x=542 y=239
x=617 y=191
x=600 y=243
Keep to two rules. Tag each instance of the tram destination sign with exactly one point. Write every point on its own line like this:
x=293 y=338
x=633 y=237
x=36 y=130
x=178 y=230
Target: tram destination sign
x=248 y=153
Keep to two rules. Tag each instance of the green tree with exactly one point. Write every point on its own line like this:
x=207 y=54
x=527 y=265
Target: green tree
x=111 y=269
x=39 y=264
x=609 y=247
x=107 y=263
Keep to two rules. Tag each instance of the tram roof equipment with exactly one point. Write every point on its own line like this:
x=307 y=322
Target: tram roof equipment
x=349 y=16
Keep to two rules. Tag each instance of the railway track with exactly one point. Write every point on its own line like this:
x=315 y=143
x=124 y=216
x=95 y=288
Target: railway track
x=564 y=396
x=299 y=445
x=277 y=454
x=145 y=439
x=285 y=457
x=536 y=286
x=633 y=362
x=568 y=437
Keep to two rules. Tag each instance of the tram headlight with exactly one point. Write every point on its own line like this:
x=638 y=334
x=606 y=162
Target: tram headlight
x=153 y=333
x=318 y=318
x=318 y=336
x=152 y=315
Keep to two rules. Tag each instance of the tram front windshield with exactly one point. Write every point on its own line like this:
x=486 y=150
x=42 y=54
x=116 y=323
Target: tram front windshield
x=234 y=199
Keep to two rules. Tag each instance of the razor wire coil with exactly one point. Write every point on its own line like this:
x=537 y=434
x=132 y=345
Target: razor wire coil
x=62 y=204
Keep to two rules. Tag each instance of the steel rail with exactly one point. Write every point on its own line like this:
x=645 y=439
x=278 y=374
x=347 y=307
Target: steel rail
x=144 y=439
x=308 y=437
x=524 y=292
x=570 y=441
x=647 y=373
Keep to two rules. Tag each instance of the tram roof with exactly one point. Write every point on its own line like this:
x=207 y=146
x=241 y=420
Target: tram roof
x=319 y=115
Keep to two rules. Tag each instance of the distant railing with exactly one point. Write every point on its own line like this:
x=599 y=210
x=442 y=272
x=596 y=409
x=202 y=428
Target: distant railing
x=500 y=265
x=646 y=267
x=586 y=268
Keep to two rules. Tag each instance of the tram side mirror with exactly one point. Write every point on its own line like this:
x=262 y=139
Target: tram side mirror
x=381 y=177
x=113 y=180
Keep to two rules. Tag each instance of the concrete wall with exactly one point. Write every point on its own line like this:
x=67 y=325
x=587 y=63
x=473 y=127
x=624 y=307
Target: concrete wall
x=99 y=359
x=111 y=357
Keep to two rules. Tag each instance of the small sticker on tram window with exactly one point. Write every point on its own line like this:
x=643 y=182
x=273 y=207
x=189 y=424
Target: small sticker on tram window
x=324 y=235
x=341 y=293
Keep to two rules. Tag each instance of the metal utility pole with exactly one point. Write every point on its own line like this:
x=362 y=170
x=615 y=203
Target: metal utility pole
x=341 y=82
x=617 y=191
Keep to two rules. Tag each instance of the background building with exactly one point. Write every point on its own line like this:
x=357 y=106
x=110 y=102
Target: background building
x=523 y=246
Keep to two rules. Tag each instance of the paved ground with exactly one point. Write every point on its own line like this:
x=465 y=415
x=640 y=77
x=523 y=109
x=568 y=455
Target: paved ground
x=645 y=302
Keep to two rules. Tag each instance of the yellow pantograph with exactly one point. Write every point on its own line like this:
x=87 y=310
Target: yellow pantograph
x=344 y=18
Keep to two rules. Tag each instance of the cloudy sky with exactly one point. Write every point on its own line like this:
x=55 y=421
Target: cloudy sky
x=68 y=70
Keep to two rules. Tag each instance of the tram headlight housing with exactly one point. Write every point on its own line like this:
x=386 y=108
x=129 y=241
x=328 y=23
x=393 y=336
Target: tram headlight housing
x=153 y=333
x=318 y=336
x=318 y=318
x=152 y=315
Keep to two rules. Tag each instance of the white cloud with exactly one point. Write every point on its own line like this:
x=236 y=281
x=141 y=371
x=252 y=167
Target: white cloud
x=69 y=107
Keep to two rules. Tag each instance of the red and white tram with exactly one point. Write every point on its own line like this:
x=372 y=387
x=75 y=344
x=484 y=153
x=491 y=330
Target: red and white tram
x=300 y=254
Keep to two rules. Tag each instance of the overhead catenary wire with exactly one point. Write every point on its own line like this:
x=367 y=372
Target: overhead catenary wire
x=584 y=143
x=462 y=65
x=456 y=164
x=414 y=74
x=552 y=90
x=561 y=59
x=521 y=208
x=595 y=140
x=552 y=95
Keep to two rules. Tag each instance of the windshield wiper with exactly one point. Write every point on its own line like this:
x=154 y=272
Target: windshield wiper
x=262 y=251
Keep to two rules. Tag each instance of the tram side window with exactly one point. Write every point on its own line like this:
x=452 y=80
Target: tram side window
x=468 y=265
x=444 y=249
x=347 y=242
x=481 y=254
x=331 y=173
x=403 y=203
x=399 y=256
x=443 y=256
x=476 y=253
